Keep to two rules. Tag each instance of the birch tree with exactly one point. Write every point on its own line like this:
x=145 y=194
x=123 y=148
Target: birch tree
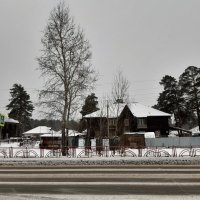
x=65 y=65
x=120 y=87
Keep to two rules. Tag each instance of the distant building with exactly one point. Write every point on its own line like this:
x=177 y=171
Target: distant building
x=10 y=128
x=54 y=139
x=37 y=132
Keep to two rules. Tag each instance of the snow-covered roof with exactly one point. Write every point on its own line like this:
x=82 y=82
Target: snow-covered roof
x=53 y=134
x=137 y=109
x=96 y=114
x=114 y=110
x=70 y=133
x=146 y=134
x=75 y=133
x=38 y=130
x=10 y=120
x=140 y=110
x=195 y=130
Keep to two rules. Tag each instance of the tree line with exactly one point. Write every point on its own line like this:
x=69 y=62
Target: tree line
x=181 y=97
x=65 y=64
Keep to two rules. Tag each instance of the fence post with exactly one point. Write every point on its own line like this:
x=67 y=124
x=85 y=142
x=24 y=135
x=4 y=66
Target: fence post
x=26 y=152
x=191 y=152
x=10 y=152
x=41 y=153
x=139 y=151
x=174 y=153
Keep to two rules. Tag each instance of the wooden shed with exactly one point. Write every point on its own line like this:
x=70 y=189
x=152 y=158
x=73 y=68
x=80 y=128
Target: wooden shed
x=132 y=140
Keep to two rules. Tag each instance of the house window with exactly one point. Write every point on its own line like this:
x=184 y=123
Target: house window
x=126 y=122
x=141 y=123
x=112 y=122
x=126 y=125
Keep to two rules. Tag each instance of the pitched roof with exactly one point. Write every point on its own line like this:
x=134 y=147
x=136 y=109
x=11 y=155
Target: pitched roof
x=137 y=109
x=195 y=130
x=113 y=111
x=59 y=134
x=10 y=120
x=38 y=130
x=140 y=110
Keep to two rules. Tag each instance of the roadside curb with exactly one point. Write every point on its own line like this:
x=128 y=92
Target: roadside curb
x=63 y=161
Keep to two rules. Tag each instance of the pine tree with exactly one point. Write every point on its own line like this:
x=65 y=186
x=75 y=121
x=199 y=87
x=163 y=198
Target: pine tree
x=90 y=105
x=20 y=107
x=190 y=85
x=171 y=100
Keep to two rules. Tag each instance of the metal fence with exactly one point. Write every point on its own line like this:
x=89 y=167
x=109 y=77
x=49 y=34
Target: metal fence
x=172 y=141
x=122 y=151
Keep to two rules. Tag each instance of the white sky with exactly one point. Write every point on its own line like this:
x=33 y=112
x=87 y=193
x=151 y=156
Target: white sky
x=146 y=39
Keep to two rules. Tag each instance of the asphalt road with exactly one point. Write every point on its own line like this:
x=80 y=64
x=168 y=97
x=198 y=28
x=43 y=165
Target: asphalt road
x=124 y=181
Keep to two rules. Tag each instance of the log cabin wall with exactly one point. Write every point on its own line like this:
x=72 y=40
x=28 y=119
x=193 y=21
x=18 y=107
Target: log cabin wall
x=127 y=122
x=96 y=127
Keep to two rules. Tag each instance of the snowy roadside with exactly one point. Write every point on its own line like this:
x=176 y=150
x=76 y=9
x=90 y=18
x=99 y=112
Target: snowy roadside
x=108 y=161
x=33 y=157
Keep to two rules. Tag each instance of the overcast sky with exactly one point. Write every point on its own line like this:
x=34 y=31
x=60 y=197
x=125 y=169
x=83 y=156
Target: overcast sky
x=146 y=39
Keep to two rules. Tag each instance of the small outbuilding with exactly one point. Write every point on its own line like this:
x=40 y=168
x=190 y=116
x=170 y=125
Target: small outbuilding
x=51 y=140
x=37 y=132
x=10 y=128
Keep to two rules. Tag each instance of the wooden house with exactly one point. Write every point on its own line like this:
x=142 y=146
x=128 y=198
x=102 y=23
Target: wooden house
x=136 y=117
x=103 y=123
x=128 y=118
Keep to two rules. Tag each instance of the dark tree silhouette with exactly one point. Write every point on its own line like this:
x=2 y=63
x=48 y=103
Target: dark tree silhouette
x=171 y=100
x=190 y=85
x=90 y=105
x=20 y=107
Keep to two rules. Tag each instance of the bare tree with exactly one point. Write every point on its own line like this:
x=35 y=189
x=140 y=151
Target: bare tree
x=65 y=65
x=120 y=87
x=120 y=94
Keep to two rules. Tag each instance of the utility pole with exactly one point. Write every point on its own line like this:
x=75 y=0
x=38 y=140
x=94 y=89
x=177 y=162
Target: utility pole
x=118 y=102
x=108 y=119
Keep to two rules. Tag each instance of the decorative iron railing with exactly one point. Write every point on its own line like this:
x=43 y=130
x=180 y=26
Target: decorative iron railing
x=98 y=151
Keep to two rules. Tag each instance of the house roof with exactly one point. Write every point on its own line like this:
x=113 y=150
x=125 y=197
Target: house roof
x=10 y=120
x=38 y=130
x=53 y=134
x=59 y=134
x=113 y=111
x=140 y=110
x=137 y=109
x=195 y=130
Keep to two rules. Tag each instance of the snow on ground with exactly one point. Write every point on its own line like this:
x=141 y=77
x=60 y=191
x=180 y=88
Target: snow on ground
x=148 y=156
x=6 y=144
